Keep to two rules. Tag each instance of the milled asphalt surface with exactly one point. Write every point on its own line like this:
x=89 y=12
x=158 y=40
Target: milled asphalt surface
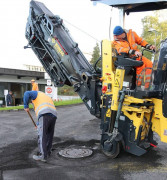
x=75 y=127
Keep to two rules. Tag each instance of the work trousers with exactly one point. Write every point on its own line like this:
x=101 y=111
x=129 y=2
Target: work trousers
x=45 y=127
x=143 y=73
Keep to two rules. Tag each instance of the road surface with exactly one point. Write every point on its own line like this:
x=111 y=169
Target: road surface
x=75 y=127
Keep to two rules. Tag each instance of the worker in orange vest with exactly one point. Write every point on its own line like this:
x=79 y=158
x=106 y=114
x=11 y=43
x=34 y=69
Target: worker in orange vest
x=47 y=115
x=126 y=42
x=34 y=85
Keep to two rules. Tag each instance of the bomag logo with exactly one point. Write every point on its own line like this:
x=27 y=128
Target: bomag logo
x=58 y=49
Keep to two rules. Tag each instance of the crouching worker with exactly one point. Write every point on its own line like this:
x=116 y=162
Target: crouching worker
x=47 y=115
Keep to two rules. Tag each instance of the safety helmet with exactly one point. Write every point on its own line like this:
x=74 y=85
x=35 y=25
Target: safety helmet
x=118 y=30
x=32 y=80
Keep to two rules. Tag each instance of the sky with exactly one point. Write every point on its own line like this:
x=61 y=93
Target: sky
x=92 y=24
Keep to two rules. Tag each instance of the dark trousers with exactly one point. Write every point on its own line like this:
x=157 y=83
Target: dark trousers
x=45 y=127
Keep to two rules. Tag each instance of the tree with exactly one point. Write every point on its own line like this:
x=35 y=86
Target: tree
x=154 y=29
x=96 y=54
x=66 y=90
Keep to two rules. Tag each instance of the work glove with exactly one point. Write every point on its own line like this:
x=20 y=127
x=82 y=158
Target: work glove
x=138 y=54
x=150 y=47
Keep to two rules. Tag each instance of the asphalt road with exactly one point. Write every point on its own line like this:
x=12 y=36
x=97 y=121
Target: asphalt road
x=75 y=127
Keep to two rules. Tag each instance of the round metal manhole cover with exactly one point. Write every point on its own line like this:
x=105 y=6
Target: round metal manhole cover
x=75 y=152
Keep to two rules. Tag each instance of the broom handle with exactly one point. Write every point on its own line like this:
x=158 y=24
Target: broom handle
x=32 y=119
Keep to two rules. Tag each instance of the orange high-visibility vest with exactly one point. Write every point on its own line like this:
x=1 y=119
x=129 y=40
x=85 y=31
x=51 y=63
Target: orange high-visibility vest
x=131 y=44
x=35 y=87
x=43 y=104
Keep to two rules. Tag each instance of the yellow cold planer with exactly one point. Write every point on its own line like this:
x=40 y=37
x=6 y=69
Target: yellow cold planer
x=129 y=116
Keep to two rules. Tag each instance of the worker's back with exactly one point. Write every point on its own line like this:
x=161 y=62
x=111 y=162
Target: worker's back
x=43 y=104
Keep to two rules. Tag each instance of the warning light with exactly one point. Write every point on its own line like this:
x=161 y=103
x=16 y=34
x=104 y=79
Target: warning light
x=104 y=89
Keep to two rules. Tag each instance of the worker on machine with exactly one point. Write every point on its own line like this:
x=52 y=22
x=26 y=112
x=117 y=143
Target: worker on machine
x=34 y=85
x=47 y=115
x=126 y=42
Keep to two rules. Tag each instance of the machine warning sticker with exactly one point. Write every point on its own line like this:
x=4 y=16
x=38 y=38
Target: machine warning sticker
x=122 y=118
x=165 y=132
x=58 y=49
x=116 y=84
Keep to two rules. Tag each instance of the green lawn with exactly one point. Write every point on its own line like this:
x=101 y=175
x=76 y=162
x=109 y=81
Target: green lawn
x=67 y=102
x=56 y=103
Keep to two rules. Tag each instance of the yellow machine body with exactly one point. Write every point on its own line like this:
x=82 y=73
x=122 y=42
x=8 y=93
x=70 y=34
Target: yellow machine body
x=108 y=73
x=140 y=116
x=159 y=122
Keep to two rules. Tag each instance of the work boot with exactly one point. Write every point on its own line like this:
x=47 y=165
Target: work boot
x=39 y=158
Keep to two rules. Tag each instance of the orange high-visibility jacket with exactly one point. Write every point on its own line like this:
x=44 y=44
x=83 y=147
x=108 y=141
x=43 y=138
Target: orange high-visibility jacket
x=43 y=104
x=35 y=87
x=130 y=45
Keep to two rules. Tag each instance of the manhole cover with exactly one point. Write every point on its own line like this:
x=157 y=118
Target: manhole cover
x=75 y=152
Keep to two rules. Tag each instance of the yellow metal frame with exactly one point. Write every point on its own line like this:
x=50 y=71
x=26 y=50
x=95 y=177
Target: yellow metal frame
x=107 y=66
x=118 y=83
x=159 y=122
x=139 y=116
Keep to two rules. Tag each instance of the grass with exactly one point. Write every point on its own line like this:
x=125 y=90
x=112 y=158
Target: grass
x=56 y=103
x=67 y=102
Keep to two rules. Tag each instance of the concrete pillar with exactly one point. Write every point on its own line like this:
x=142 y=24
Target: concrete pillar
x=26 y=87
